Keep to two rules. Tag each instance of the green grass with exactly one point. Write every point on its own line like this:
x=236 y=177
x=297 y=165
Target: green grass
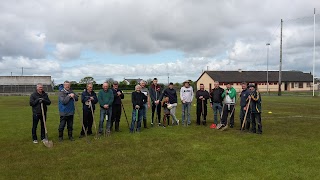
x=288 y=148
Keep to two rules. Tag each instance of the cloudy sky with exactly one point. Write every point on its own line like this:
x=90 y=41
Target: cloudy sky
x=153 y=38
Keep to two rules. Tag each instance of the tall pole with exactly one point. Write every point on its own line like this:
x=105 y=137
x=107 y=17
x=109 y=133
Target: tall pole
x=268 y=44
x=314 y=48
x=280 y=66
x=168 y=78
x=22 y=72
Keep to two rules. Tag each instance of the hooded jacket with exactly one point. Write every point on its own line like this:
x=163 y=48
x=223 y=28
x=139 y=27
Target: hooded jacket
x=66 y=103
x=36 y=104
x=85 y=97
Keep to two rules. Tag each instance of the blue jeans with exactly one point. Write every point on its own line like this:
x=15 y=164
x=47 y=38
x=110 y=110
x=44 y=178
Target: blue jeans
x=103 y=113
x=134 y=119
x=186 y=108
x=216 y=108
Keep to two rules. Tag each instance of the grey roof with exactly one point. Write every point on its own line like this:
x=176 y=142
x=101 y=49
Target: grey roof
x=129 y=80
x=258 y=76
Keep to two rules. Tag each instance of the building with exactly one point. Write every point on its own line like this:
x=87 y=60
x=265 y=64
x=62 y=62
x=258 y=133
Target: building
x=24 y=84
x=128 y=81
x=291 y=80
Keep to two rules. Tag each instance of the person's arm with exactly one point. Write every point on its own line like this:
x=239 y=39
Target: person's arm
x=134 y=99
x=84 y=98
x=46 y=99
x=181 y=96
x=197 y=95
x=152 y=96
x=232 y=93
x=121 y=95
x=111 y=98
x=192 y=94
x=223 y=94
x=33 y=100
x=100 y=99
x=95 y=98
x=255 y=96
x=207 y=95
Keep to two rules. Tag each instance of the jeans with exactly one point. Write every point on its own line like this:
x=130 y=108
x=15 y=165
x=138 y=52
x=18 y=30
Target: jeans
x=144 y=114
x=216 y=108
x=35 y=119
x=186 y=108
x=66 y=120
x=103 y=114
x=242 y=114
x=256 y=118
x=134 y=119
x=173 y=112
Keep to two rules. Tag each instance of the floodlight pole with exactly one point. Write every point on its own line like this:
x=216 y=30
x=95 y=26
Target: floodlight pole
x=280 y=65
x=268 y=44
x=314 y=48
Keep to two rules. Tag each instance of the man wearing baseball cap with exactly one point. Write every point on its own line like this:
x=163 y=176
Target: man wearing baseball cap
x=116 y=106
x=186 y=96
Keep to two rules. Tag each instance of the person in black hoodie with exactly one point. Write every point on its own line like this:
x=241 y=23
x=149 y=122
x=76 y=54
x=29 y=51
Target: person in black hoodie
x=138 y=100
x=202 y=97
x=116 y=106
x=216 y=102
x=171 y=93
x=36 y=99
x=156 y=98
x=88 y=98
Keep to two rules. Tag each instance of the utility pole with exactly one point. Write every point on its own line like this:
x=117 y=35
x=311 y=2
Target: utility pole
x=168 y=79
x=268 y=44
x=22 y=71
x=280 y=66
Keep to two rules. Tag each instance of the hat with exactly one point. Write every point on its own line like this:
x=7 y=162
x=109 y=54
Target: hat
x=171 y=83
x=252 y=85
x=115 y=83
x=186 y=81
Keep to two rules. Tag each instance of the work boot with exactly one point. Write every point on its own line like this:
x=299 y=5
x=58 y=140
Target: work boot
x=60 y=136
x=70 y=136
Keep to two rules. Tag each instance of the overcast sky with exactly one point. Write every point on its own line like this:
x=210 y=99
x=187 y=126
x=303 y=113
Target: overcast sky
x=153 y=38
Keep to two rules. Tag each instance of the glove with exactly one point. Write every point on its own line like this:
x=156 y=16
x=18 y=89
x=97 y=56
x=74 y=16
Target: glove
x=40 y=100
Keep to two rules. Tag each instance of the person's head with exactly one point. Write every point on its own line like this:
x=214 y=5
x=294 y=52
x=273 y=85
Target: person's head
x=216 y=84
x=137 y=88
x=115 y=85
x=142 y=83
x=186 y=84
x=228 y=85
x=89 y=87
x=252 y=87
x=201 y=86
x=66 y=85
x=155 y=81
x=244 y=85
x=171 y=85
x=166 y=99
x=105 y=86
x=39 y=88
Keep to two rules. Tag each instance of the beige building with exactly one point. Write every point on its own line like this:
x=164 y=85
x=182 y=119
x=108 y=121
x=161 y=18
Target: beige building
x=291 y=80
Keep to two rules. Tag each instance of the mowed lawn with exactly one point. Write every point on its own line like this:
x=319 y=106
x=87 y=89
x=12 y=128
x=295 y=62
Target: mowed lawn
x=289 y=147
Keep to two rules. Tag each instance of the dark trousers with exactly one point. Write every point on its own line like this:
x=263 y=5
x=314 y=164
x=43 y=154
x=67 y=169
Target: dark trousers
x=199 y=113
x=228 y=108
x=166 y=118
x=66 y=120
x=87 y=122
x=256 y=119
x=154 y=107
x=35 y=120
x=242 y=114
x=116 y=115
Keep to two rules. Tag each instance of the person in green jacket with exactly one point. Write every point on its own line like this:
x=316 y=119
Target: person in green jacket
x=105 y=98
x=229 y=96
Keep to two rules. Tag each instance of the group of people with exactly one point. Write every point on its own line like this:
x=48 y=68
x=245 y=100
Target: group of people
x=221 y=100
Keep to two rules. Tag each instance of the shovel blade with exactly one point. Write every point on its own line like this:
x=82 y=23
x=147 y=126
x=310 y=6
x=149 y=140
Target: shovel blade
x=48 y=144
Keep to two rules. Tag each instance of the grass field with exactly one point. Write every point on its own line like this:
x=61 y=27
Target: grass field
x=288 y=148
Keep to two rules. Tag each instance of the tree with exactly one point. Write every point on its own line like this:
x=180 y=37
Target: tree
x=87 y=80
x=133 y=82
x=73 y=82
x=149 y=81
x=110 y=80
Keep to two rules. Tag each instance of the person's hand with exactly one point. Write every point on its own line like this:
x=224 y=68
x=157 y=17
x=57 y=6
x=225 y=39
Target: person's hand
x=106 y=106
x=71 y=95
x=40 y=100
x=148 y=105
x=210 y=105
x=227 y=91
x=245 y=108
x=157 y=102
x=119 y=93
x=201 y=97
x=91 y=98
x=183 y=101
x=137 y=106
x=250 y=97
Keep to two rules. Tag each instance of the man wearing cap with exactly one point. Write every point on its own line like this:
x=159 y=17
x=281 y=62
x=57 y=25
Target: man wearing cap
x=116 y=106
x=229 y=96
x=255 y=108
x=171 y=93
x=146 y=105
x=243 y=105
x=186 y=96
x=202 y=96
x=156 y=98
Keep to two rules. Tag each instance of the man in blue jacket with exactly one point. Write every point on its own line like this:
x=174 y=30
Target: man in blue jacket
x=88 y=99
x=66 y=110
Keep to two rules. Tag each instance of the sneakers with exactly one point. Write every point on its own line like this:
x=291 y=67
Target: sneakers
x=213 y=126
x=219 y=126
x=44 y=140
x=151 y=124
x=159 y=124
x=35 y=141
x=177 y=122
